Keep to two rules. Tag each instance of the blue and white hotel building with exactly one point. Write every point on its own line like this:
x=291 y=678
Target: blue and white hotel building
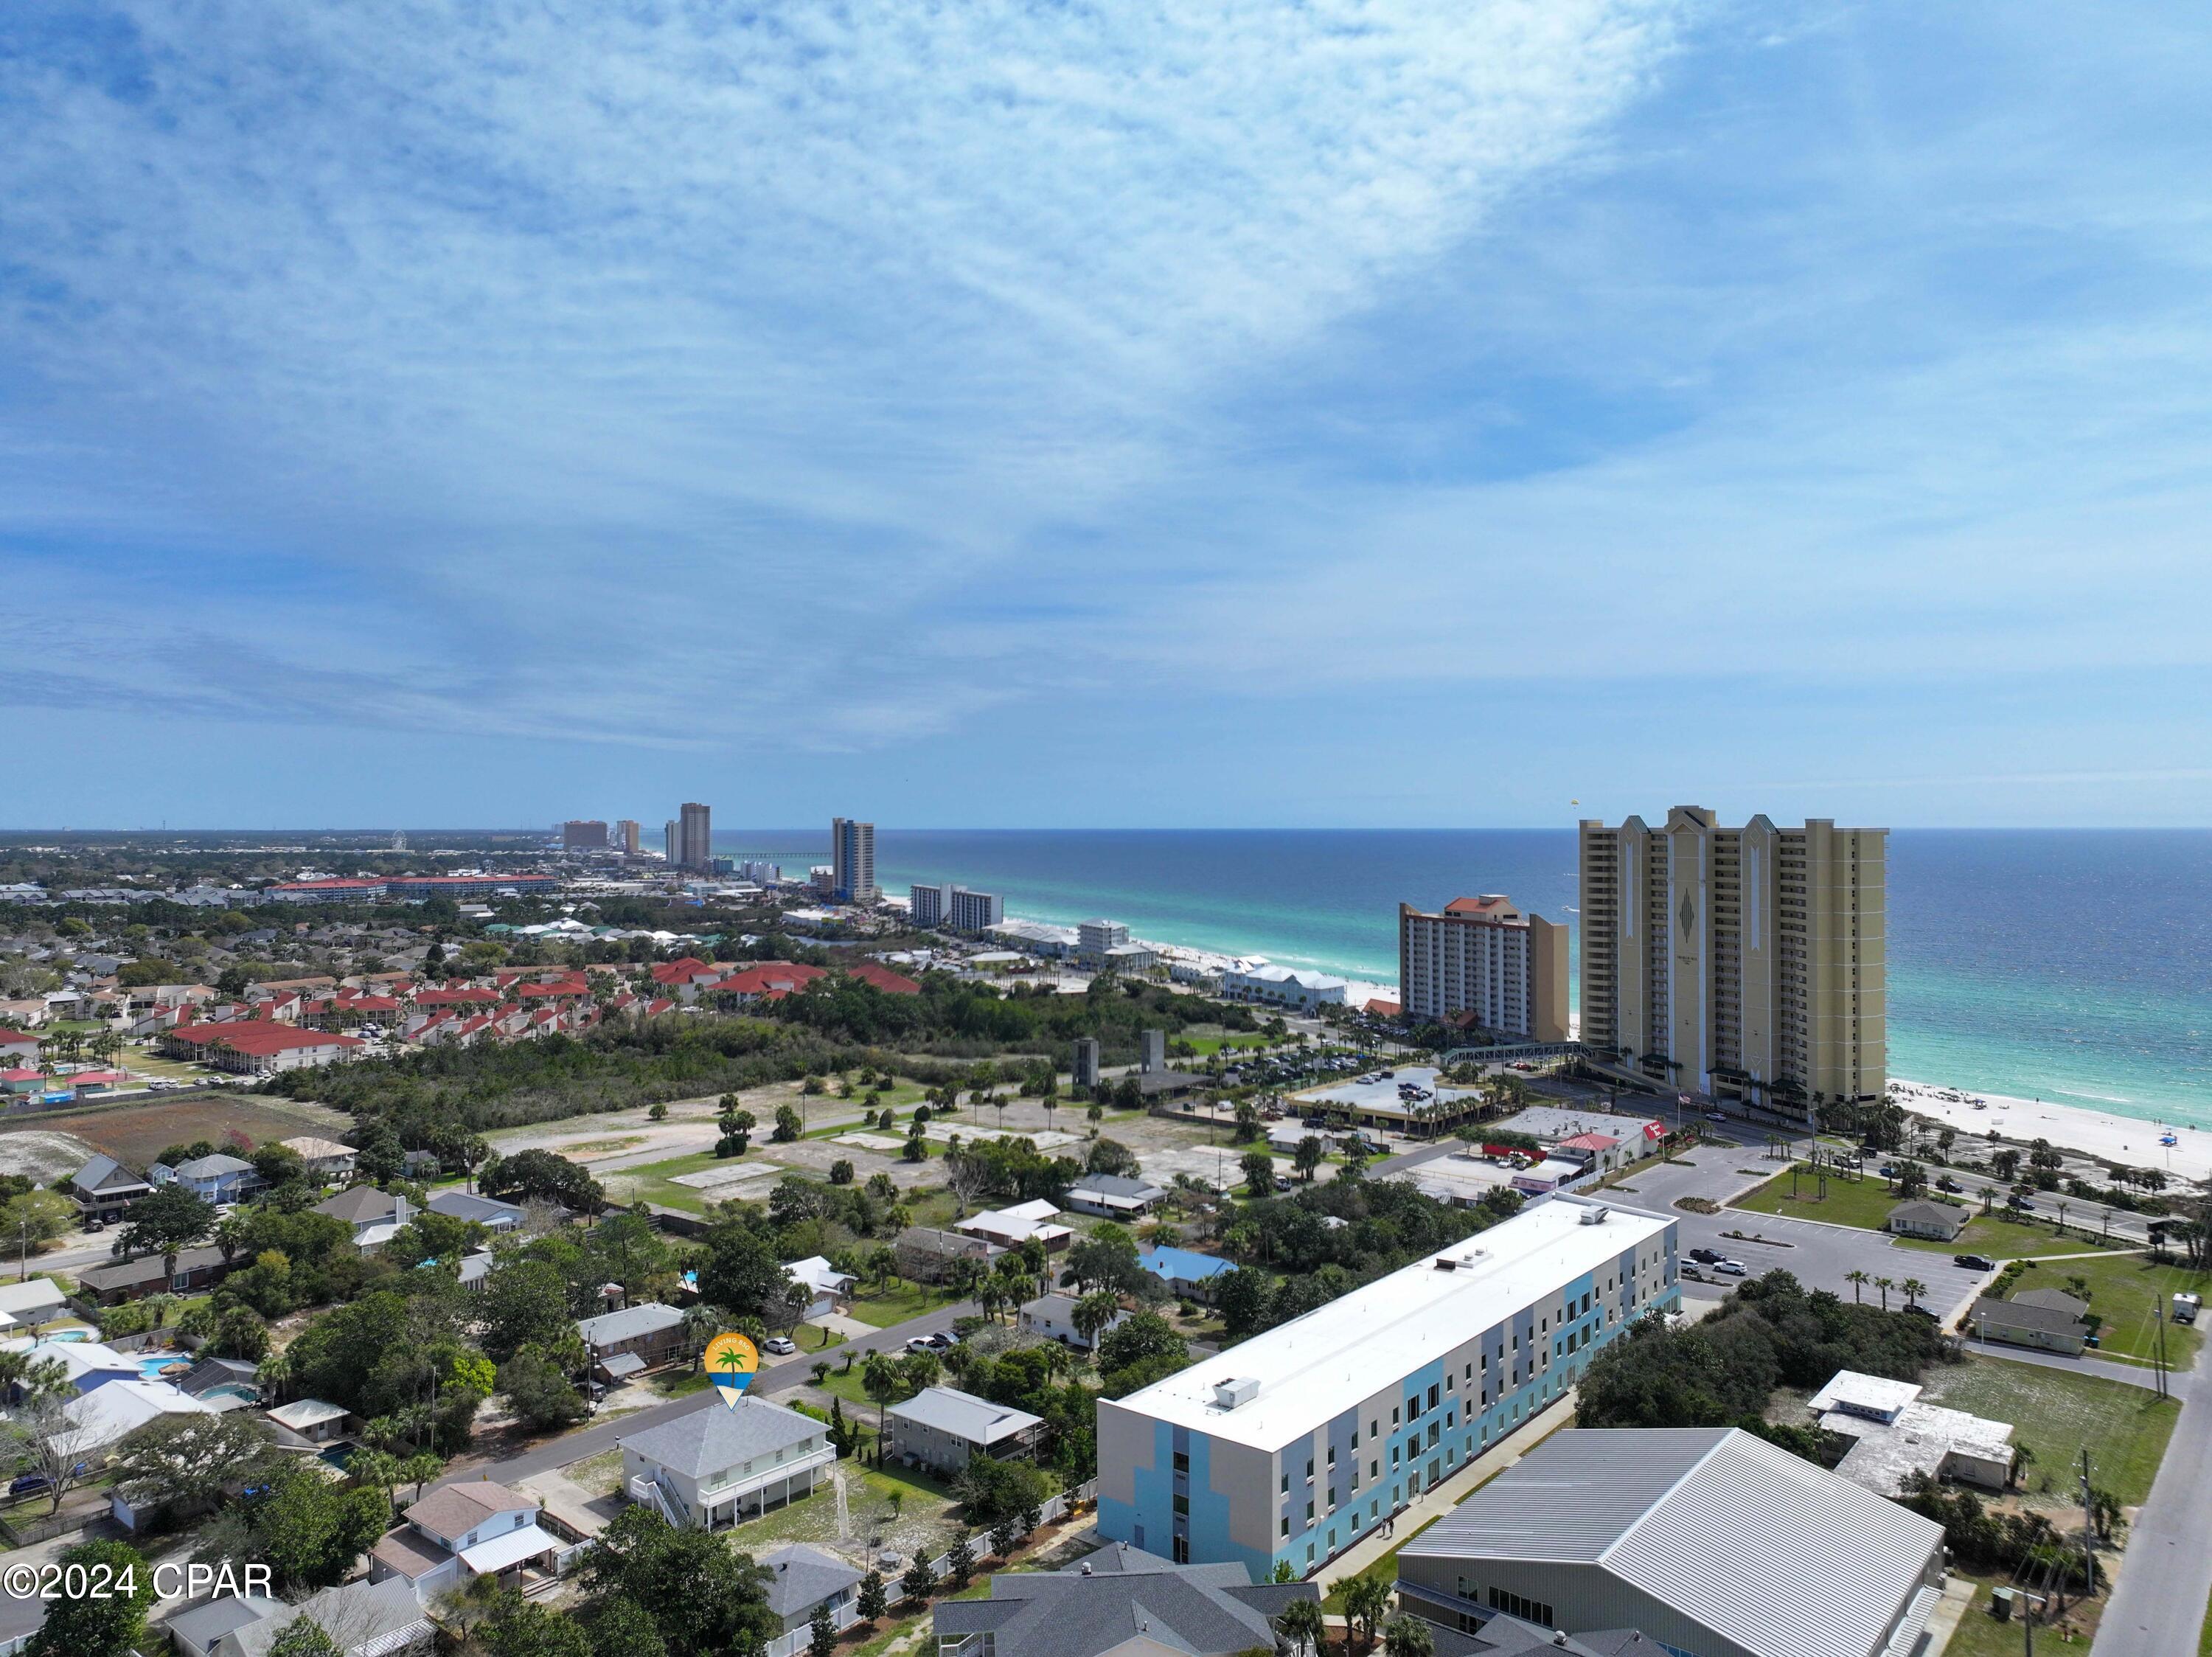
x=1295 y=1445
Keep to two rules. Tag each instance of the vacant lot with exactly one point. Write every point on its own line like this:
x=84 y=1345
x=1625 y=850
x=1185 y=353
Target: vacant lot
x=2056 y=1413
x=136 y=1134
x=1866 y=1203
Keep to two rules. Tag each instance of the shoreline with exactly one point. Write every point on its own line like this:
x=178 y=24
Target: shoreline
x=2130 y=1141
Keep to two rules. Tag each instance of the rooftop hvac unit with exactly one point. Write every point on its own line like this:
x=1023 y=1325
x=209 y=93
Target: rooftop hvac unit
x=1595 y=1215
x=1229 y=1394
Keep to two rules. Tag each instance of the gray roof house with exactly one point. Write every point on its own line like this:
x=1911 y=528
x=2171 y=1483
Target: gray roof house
x=2024 y=1322
x=1052 y=1316
x=1112 y=1599
x=375 y=1216
x=1114 y=1195
x=103 y=1189
x=487 y=1211
x=942 y=1426
x=366 y=1620
x=720 y=1465
x=1706 y=1539
x=1941 y=1221
x=218 y=1179
x=635 y=1339
x=800 y=1578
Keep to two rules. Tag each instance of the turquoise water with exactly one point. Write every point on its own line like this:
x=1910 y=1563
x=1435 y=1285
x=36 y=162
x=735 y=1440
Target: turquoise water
x=2069 y=964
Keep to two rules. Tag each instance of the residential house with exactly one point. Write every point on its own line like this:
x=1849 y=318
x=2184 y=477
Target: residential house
x=1123 y=1602
x=256 y=1044
x=801 y=1580
x=19 y=1048
x=328 y=1159
x=109 y=1413
x=1940 y=1221
x=825 y=1285
x=221 y=1179
x=193 y=1270
x=33 y=1301
x=1052 y=1316
x=90 y=1366
x=375 y=1216
x=222 y=1384
x=1115 y=1196
x=318 y=1421
x=722 y=1465
x=2020 y=1322
x=491 y=1214
x=929 y=1255
x=460 y=1531
x=942 y=1428
x=1010 y=1227
x=364 y=1618
x=1185 y=1271
x=626 y=1343
x=104 y=1189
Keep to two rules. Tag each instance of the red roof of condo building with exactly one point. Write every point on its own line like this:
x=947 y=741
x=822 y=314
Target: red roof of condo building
x=258 y=1039
x=455 y=997
x=1384 y=1010
x=884 y=979
x=765 y=976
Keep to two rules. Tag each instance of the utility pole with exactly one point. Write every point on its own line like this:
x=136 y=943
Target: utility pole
x=2157 y=1308
x=2021 y=1596
x=2088 y=1531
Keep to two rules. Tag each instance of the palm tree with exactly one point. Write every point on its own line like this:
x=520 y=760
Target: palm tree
x=1859 y=1281
x=1300 y=1624
x=377 y=1467
x=702 y=1323
x=1366 y=1603
x=1408 y=1636
x=273 y=1374
x=1885 y=1284
x=1914 y=1289
x=1091 y=1315
x=420 y=1470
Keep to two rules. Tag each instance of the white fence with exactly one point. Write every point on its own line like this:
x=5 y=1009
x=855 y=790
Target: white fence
x=1052 y=1508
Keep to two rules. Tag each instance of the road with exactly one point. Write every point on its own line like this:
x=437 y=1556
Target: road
x=590 y=1440
x=2166 y=1575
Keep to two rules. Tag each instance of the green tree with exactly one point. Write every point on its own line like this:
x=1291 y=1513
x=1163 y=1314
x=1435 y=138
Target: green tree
x=1366 y=1603
x=303 y=1637
x=1408 y=1636
x=521 y=1627
x=1259 y=1170
x=524 y=1303
x=918 y=1582
x=822 y=1632
x=1308 y=1157
x=872 y=1601
x=112 y=1626
x=787 y=1126
x=167 y=1222
x=189 y=1461
x=540 y=1393
x=959 y=1563
x=1299 y=1624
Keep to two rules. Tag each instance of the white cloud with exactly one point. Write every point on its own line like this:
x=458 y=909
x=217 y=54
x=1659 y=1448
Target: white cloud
x=639 y=357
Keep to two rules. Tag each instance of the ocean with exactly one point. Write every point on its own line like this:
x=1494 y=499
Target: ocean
x=2069 y=964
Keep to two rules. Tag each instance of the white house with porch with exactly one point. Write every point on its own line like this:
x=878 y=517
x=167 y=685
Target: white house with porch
x=719 y=1466
x=460 y=1531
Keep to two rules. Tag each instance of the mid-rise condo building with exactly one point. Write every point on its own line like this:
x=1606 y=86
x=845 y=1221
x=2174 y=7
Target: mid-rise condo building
x=1093 y=938
x=584 y=834
x=1293 y=1446
x=852 y=860
x=1747 y=963
x=926 y=905
x=628 y=836
x=1482 y=963
x=974 y=911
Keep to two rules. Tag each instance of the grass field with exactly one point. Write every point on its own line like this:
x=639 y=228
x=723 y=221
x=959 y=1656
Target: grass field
x=655 y=1182
x=883 y=1308
x=2125 y=1292
x=2056 y=1412
x=1866 y=1203
x=1980 y=1635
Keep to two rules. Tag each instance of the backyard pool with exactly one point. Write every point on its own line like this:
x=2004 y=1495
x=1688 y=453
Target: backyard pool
x=163 y=1363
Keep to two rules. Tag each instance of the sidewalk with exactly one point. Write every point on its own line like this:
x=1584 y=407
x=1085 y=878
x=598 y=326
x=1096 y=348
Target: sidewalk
x=1441 y=1498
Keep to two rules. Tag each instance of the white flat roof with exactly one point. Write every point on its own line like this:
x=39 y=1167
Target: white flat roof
x=1314 y=1368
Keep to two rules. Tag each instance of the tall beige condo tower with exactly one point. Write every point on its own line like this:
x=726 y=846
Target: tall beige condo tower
x=695 y=836
x=1747 y=963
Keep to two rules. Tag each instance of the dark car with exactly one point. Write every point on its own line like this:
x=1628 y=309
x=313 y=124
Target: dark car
x=1974 y=1262
x=1919 y=1311
x=1947 y=1184
x=1707 y=1256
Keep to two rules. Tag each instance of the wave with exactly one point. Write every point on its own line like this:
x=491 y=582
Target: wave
x=2102 y=1098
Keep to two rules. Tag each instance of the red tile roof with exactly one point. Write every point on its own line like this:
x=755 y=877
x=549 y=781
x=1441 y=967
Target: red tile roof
x=258 y=1038
x=454 y=997
x=891 y=982
x=764 y=976
x=1384 y=1010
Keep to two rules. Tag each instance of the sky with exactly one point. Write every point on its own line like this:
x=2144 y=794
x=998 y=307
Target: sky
x=1485 y=412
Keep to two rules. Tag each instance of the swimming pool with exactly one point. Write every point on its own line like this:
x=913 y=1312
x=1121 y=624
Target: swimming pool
x=70 y=1334
x=154 y=1368
x=233 y=1390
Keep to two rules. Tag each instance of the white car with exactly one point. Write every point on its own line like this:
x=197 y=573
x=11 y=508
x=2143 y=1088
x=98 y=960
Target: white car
x=780 y=1346
x=1731 y=1268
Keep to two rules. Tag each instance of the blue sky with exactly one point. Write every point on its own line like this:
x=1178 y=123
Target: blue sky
x=1041 y=415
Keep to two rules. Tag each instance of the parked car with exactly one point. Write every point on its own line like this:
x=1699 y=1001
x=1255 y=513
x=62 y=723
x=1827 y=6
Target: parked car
x=919 y=1344
x=1716 y=1115
x=1920 y=1311
x=1690 y=1274
x=781 y=1345
x=1974 y=1262
x=1731 y=1268
x=1947 y=1184
x=2019 y=1203
x=945 y=1340
x=1707 y=1255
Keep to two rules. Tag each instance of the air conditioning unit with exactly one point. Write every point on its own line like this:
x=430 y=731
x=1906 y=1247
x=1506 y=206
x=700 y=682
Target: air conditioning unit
x=1595 y=1215
x=1229 y=1394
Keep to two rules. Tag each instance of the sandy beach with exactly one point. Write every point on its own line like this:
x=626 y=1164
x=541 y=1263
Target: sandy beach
x=2123 y=1139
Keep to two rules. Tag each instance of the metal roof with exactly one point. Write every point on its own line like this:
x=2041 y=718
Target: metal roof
x=1781 y=1557
x=613 y=1328
x=965 y=1416
x=1119 y=1596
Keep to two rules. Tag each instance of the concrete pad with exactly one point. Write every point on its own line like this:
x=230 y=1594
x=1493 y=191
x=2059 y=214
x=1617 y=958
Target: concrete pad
x=869 y=1142
x=1045 y=1139
x=733 y=1173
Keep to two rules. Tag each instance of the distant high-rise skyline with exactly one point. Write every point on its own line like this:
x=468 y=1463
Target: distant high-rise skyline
x=852 y=860
x=694 y=835
x=584 y=834
x=628 y=836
